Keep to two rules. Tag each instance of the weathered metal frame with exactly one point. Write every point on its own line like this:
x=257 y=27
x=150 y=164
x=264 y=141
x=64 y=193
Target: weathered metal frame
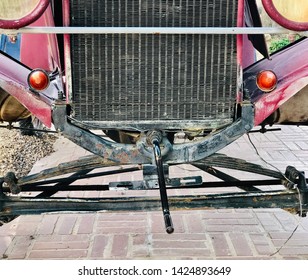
x=111 y=154
x=294 y=198
x=141 y=153
x=287 y=200
x=30 y=182
x=145 y=125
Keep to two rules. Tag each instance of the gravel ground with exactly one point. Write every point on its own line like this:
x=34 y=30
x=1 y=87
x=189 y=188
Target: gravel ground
x=18 y=153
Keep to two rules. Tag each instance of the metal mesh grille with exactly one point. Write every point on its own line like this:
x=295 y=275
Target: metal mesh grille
x=153 y=77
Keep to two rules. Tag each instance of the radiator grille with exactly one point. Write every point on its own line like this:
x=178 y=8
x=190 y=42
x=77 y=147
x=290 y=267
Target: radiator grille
x=153 y=77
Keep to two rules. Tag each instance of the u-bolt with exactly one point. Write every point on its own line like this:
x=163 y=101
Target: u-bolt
x=162 y=183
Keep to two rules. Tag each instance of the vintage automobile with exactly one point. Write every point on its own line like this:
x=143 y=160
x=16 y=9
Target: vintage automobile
x=147 y=73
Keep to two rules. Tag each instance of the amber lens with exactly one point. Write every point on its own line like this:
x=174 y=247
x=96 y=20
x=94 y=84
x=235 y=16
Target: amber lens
x=267 y=80
x=38 y=80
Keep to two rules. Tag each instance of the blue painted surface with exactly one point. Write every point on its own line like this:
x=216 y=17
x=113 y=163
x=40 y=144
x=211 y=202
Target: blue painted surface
x=12 y=49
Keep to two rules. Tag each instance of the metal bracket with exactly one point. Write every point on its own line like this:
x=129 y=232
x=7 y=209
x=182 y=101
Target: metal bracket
x=139 y=153
x=146 y=184
x=303 y=190
x=11 y=181
x=293 y=175
x=48 y=182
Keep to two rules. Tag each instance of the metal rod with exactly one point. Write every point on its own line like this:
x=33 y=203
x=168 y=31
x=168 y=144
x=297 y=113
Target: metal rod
x=226 y=177
x=223 y=161
x=49 y=192
x=162 y=187
x=150 y=30
x=57 y=188
x=80 y=176
x=102 y=187
x=87 y=162
x=9 y=127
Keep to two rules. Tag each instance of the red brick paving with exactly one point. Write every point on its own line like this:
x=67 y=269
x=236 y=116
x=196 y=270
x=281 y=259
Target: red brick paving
x=199 y=234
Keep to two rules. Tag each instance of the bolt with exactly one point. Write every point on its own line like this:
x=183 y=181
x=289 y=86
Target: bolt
x=60 y=95
x=79 y=133
x=153 y=136
x=229 y=133
x=247 y=127
x=12 y=38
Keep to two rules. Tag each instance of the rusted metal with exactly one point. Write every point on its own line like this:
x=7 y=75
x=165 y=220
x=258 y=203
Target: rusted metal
x=87 y=162
x=140 y=154
x=93 y=161
x=293 y=199
x=293 y=174
x=11 y=181
x=273 y=199
x=79 y=176
x=224 y=161
x=225 y=177
x=173 y=183
x=249 y=105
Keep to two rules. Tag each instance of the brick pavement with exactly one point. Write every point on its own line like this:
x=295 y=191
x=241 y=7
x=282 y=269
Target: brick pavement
x=199 y=234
